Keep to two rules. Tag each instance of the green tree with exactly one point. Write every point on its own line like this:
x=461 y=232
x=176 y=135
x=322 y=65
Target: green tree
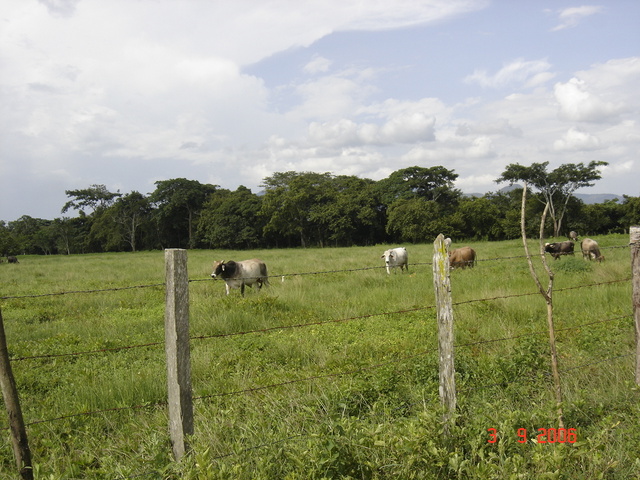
x=292 y=206
x=178 y=205
x=555 y=187
x=96 y=197
x=630 y=212
x=29 y=236
x=8 y=243
x=132 y=213
x=69 y=234
x=415 y=220
x=353 y=215
x=602 y=218
x=433 y=183
x=479 y=218
x=231 y=219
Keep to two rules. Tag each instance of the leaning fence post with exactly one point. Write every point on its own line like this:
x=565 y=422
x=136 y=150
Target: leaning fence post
x=176 y=325
x=442 y=286
x=635 y=270
x=14 y=412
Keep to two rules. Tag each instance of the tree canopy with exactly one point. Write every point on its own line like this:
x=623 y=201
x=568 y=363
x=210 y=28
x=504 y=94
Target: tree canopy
x=556 y=187
x=310 y=209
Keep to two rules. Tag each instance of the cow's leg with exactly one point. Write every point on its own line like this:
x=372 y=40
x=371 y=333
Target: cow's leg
x=227 y=288
x=242 y=289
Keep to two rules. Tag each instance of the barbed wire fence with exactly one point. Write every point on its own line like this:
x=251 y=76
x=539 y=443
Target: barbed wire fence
x=22 y=462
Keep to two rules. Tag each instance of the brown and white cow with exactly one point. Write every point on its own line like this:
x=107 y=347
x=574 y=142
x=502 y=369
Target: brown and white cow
x=241 y=274
x=557 y=249
x=462 y=257
x=573 y=235
x=591 y=250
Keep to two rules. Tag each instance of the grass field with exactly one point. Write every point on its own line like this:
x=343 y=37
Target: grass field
x=348 y=391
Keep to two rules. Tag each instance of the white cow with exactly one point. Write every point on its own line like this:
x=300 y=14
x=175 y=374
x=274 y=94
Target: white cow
x=591 y=250
x=396 y=257
x=238 y=274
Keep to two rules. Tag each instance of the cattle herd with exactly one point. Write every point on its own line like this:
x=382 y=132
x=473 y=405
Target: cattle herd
x=589 y=247
x=248 y=273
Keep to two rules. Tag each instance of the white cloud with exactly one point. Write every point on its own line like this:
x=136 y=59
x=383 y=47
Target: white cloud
x=519 y=72
x=575 y=139
x=570 y=17
x=578 y=104
x=317 y=65
x=63 y=8
x=500 y=126
x=159 y=88
x=405 y=128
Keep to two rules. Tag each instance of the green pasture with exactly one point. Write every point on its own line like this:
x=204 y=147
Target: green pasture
x=329 y=373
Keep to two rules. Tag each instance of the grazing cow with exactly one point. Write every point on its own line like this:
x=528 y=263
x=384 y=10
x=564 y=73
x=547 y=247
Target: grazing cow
x=462 y=257
x=559 y=248
x=238 y=274
x=573 y=236
x=12 y=259
x=591 y=250
x=396 y=257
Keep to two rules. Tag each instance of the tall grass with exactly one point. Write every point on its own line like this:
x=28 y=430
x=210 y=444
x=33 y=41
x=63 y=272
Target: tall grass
x=338 y=371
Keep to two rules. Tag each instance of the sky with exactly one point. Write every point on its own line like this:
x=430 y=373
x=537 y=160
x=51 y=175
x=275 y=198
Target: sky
x=125 y=93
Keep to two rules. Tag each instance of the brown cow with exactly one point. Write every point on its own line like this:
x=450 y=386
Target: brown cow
x=591 y=250
x=573 y=236
x=559 y=248
x=462 y=257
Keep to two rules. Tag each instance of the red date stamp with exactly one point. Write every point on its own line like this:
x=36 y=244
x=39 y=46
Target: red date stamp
x=544 y=435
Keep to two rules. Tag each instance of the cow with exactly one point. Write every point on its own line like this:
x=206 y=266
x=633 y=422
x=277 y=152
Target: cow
x=396 y=257
x=591 y=250
x=573 y=236
x=557 y=249
x=12 y=259
x=241 y=274
x=462 y=257
x=447 y=243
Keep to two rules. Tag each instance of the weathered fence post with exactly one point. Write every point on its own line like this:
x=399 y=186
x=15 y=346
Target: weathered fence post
x=14 y=412
x=634 y=233
x=442 y=287
x=176 y=325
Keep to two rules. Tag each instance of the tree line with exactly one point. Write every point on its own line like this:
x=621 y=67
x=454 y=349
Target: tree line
x=308 y=209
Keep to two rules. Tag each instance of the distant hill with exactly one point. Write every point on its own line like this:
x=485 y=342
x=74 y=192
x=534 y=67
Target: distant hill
x=588 y=198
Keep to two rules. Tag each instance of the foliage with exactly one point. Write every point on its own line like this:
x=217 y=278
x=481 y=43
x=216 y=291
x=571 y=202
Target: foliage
x=309 y=209
x=178 y=203
x=434 y=183
x=231 y=220
x=96 y=197
x=557 y=186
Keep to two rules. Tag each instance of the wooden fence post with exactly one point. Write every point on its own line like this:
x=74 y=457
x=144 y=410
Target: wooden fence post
x=176 y=324
x=634 y=233
x=14 y=412
x=442 y=286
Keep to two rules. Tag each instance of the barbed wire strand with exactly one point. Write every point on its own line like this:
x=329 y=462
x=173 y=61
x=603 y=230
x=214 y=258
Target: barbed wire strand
x=310 y=324
x=461 y=390
x=320 y=272
x=314 y=377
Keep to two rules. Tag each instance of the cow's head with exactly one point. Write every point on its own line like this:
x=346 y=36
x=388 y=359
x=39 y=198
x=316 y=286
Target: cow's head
x=388 y=256
x=218 y=268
